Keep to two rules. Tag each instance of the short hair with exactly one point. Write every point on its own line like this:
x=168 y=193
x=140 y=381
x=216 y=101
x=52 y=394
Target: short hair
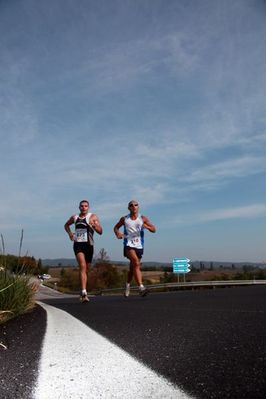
x=81 y=202
x=132 y=202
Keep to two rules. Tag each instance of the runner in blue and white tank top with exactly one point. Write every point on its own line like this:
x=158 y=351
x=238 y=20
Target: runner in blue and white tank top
x=134 y=225
x=133 y=232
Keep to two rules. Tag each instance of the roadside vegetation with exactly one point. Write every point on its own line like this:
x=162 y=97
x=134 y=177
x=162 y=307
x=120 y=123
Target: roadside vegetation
x=103 y=275
x=107 y=275
x=16 y=290
x=247 y=272
x=16 y=296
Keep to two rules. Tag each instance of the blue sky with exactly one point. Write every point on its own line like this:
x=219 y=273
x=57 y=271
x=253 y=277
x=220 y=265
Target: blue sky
x=158 y=100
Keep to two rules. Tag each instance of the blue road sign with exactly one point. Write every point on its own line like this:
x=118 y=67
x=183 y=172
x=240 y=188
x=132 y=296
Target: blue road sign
x=181 y=260
x=181 y=265
x=181 y=271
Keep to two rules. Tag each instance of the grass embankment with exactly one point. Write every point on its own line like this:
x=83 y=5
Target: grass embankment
x=16 y=291
x=16 y=295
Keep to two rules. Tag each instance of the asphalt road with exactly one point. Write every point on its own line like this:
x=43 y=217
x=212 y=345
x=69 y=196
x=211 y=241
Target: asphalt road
x=22 y=338
x=211 y=343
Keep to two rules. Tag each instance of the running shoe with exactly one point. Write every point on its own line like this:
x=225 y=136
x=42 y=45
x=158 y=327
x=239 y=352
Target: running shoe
x=84 y=298
x=127 y=291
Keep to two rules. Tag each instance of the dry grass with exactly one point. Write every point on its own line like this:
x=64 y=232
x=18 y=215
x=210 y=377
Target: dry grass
x=17 y=294
x=55 y=272
x=153 y=276
x=5 y=315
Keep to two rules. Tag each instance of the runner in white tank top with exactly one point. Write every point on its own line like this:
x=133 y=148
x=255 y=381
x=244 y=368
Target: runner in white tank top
x=133 y=232
x=134 y=225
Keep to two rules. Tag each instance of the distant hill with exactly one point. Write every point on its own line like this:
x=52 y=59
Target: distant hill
x=59 y=262
x=64 y=262
x=226 y=265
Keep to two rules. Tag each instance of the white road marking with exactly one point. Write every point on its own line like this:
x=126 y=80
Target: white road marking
x=78 y=363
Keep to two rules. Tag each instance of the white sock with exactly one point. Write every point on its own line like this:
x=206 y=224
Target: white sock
x=83 y=292
x=127 y=285
x=141 y=287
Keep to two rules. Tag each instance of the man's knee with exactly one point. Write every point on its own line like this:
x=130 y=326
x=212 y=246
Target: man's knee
x=135 y=263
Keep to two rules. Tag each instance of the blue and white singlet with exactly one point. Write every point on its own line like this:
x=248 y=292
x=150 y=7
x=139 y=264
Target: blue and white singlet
x=134 y=232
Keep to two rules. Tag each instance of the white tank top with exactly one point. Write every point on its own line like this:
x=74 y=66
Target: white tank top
x=134 y=232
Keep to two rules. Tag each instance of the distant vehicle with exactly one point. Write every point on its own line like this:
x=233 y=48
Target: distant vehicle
x=44 y=276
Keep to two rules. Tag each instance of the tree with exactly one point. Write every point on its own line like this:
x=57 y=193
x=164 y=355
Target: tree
x=105 y=275
x=102 y=256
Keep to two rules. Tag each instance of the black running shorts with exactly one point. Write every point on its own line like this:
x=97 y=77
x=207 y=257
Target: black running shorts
x=138 y=251
x=85 y=248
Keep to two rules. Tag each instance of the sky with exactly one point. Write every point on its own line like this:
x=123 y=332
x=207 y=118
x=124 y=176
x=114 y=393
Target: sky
x=162 y=101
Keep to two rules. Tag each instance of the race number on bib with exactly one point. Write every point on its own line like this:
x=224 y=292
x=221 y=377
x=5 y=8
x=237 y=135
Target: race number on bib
x=134 y=242
x=81 y=235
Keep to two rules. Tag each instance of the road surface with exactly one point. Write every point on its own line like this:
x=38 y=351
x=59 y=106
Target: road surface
x=210 y=343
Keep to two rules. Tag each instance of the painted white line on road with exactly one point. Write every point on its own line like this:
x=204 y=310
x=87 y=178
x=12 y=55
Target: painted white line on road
x=78 y=363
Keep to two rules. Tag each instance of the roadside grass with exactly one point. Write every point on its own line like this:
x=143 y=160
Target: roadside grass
x=17 y=293
x=17 y=296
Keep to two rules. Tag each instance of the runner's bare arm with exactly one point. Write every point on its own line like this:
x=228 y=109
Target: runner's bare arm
x=148 y=225
x=119 y=224
x=68 y=229
x=95 y=224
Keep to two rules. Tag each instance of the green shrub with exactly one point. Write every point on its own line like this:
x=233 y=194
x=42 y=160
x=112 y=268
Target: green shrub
x=101 y=276
x=16 y=296
x=105 y=275
x=70 y=280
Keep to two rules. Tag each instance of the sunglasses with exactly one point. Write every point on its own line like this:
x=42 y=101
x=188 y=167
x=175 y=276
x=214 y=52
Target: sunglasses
x=134 y=205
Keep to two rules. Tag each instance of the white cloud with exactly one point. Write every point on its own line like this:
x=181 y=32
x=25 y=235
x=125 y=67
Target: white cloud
x=240 y=212
x=19 y=122
x=228 y=169
x=249 y=211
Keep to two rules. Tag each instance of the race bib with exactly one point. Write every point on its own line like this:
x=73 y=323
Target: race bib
x=81 y=235
x=134 y=242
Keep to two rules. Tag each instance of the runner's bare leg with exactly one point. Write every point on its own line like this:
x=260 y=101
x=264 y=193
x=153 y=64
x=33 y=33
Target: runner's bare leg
x=134 y=267
x=83 y=270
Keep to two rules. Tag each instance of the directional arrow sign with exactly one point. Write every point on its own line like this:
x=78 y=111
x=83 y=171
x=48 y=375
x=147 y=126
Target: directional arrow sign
x=181 y=265
x=181 y=260
x=181 y=271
